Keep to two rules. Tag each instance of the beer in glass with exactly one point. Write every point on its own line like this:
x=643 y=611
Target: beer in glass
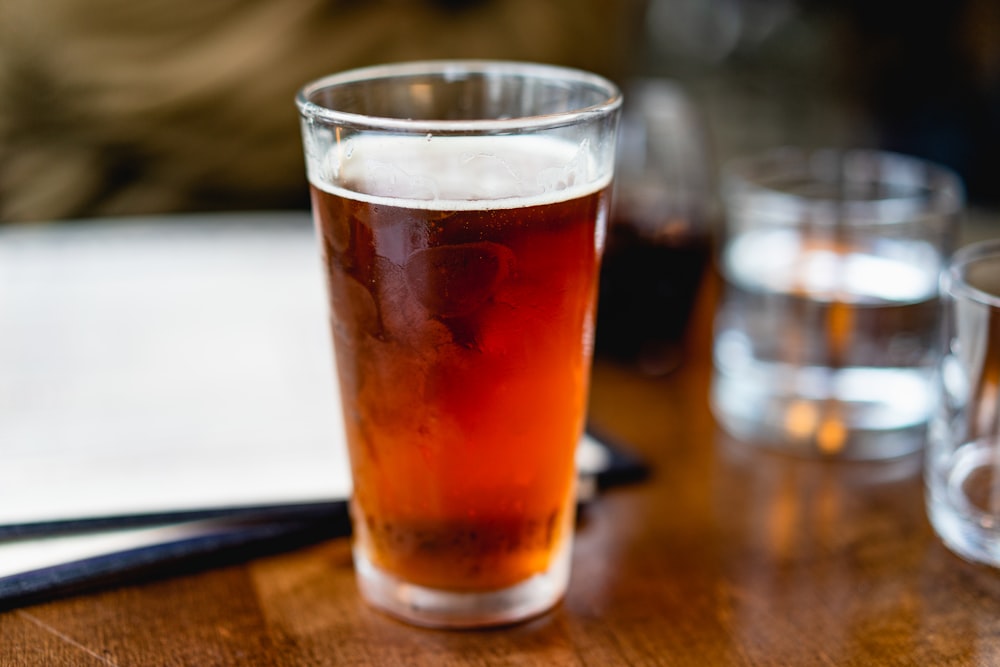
x=461 y=210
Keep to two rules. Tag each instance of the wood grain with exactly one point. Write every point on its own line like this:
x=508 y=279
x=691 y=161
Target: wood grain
x=725 y=556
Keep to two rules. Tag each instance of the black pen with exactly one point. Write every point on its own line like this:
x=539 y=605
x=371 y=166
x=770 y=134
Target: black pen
x=172 y=548
x=279 y=512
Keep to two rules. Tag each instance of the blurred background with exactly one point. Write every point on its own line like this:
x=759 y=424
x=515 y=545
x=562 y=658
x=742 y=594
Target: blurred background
x=118 y=108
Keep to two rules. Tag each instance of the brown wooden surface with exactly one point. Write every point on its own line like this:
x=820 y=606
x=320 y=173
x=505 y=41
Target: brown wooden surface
x=724 y=556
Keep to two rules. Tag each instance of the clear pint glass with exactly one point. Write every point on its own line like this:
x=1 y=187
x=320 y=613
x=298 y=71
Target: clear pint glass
x=461 y=209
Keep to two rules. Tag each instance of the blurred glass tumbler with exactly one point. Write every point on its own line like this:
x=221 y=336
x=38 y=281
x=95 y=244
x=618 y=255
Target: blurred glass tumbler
x=660 y=236
x=826 y=338
x=962 y=467
x=462 y=209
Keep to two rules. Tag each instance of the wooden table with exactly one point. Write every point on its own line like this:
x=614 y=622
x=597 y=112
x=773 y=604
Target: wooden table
x=724 y=556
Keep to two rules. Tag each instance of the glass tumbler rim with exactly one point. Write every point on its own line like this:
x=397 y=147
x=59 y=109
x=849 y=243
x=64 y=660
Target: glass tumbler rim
x=954 y=282
x=454 y=70
x=765 y=179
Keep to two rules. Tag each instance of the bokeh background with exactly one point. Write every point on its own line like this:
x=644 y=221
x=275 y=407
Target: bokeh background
x=111 y=108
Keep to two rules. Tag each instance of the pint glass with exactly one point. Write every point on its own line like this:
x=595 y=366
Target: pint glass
x=461 y=211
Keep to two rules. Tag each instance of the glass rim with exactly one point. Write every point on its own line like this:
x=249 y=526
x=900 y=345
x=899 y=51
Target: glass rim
x=953 y=280
x=453 y=70
x=945 y=194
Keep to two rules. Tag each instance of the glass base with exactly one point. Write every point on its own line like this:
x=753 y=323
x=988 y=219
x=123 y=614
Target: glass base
x=435 y=608
x=962 y=505
x=964 y=535
x=832 y=427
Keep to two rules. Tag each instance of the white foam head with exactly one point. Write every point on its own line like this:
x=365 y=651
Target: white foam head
x=459 y=172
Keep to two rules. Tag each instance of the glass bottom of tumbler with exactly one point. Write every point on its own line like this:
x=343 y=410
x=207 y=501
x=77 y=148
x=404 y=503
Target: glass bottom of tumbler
x=963 y=501
x=436 y=608
x=869 y=415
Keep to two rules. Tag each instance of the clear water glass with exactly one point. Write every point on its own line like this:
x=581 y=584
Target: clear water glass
x=826 y=339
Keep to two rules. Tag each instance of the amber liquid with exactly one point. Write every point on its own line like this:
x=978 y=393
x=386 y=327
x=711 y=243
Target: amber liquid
x=463 y=343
